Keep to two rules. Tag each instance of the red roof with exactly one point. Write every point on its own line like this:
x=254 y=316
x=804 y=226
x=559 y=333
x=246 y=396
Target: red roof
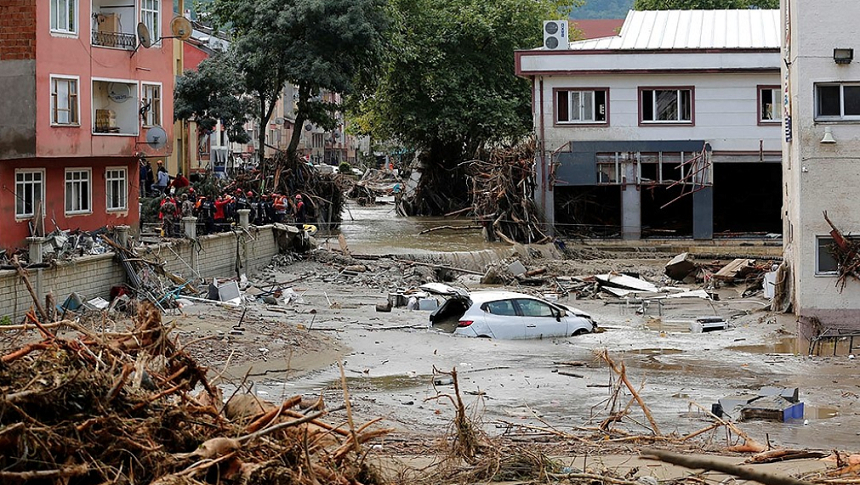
x=595 y=28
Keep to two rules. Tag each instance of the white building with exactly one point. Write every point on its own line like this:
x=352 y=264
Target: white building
x=617 y=118
x=822 y=158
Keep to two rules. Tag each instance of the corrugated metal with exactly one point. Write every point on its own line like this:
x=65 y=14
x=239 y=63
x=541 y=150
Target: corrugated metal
x=692 y=29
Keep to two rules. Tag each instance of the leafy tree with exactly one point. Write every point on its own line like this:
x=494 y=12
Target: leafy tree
x=316 y=45
x=703 y=4
x=447 y=85
x=213 y=92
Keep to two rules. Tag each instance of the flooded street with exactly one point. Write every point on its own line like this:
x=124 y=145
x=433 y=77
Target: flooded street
x=377 y=229
x=389 y=358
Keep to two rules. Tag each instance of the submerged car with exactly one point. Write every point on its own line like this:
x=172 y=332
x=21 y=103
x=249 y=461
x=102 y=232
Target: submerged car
x=509 y=315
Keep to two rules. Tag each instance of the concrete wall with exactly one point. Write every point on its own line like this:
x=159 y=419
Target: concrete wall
x=820 y=177
x=18 y=109
x=93 y=276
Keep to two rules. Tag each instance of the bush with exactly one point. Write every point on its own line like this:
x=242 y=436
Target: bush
x=345 y=168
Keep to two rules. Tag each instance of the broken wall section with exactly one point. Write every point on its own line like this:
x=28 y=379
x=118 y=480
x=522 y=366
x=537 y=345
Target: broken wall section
x=94 y=276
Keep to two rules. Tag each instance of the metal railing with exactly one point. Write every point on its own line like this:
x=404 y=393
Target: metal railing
x=119 y=40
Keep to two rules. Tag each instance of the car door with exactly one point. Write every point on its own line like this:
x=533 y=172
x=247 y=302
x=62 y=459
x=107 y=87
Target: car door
x=540 y=319
x=501 y=320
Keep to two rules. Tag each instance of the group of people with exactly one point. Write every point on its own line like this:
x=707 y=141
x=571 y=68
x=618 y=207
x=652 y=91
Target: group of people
x=220 y=213
x=160 y=181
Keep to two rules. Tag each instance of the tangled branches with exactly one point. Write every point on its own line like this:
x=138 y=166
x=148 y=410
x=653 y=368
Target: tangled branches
x=503 y=189
x=121 y=408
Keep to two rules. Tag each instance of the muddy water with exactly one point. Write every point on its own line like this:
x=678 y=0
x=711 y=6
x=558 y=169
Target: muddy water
x=390 y=372
x=377 y=229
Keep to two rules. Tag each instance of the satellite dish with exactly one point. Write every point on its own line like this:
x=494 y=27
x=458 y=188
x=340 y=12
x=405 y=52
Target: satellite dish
x=156 y=137
x=119 y=92
x=143 y=35
x=309 y=127
x=181 y=28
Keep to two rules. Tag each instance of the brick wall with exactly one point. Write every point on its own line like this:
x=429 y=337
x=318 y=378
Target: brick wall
x=212 y=256
x=17 y=29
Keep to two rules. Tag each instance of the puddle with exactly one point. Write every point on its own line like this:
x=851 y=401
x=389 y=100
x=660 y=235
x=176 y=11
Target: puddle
x=788 y=345
x=384 y=383
x=815 y=412
x=654 y=351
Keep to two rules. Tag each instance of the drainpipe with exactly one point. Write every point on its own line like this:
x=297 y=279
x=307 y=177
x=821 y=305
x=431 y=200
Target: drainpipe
x=548 y=213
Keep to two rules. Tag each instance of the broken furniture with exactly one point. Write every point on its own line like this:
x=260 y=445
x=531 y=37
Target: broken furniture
x=771 y=403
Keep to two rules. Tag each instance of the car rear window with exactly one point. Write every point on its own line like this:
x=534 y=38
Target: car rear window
x=503 y=307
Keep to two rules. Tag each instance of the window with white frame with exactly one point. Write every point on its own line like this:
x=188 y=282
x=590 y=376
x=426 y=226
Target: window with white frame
x=152 y=104
x=64 y=16
x=837 y=101
x=116 y=188
x=770 y=104
x=826 y=263
x=78 y=191
x=29 y=191
x=64 y=101
x=149 y=14
x=581 y=106
x=666 y=105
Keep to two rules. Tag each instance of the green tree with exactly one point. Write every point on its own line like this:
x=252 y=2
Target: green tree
x=315 y=45
x=447 y=85
x=211 y=93
x=703 y=4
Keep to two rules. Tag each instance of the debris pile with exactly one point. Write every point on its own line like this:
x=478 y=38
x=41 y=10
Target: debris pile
x=134 y=407
x=324 y=192
x=503 y=192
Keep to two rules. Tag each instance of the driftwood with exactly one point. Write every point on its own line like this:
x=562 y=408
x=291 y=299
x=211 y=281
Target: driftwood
x=119 y=405
x=746 y=473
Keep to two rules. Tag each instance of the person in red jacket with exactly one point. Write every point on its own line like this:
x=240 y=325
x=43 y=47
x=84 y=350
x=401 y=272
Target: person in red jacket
x=220 y=204
x=179 y=181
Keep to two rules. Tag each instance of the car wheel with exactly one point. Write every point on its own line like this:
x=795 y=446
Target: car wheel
x=579 y=332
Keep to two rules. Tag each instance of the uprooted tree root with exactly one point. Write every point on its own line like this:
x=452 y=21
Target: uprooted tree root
x=118 y=408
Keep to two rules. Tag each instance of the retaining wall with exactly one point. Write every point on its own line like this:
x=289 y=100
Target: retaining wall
x=212 y=256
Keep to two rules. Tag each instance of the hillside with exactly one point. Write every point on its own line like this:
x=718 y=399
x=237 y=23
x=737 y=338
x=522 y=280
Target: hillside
x=602 y=9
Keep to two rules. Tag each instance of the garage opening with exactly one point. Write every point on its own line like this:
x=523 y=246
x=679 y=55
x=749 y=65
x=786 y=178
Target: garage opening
x=589 y=212
x=675 y=220
x=747 y=199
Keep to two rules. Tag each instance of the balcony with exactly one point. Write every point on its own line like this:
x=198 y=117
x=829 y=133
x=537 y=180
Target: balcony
x=119 y=40
x=113 y=25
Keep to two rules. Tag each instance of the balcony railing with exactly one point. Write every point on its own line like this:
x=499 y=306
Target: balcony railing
x=119 y=40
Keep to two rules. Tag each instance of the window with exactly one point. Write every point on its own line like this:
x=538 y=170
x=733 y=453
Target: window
x=769 y=104
x=116 y=189
x=825 y=248
x=149 y=12
x=151 y=105
x=837 y=101
x=77 y=191
x=64 y=101
x=585 y=106
x=29 y=192
x=666 y=105
x=534 y=308
x=503 y=307
x=64 y=15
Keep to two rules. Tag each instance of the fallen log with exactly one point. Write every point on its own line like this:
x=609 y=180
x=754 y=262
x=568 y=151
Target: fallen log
x=746 y=473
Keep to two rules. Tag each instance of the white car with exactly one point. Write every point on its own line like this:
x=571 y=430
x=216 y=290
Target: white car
x=509 y=315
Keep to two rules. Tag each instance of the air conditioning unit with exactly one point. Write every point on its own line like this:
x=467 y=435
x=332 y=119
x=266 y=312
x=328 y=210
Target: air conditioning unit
x=555 y=35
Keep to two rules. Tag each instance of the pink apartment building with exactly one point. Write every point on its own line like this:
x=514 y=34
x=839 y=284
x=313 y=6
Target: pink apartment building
x=78 y=96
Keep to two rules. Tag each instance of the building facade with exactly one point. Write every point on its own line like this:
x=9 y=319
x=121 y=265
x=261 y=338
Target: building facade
x=821 y=144
x=80 y=96
x=671 y=128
